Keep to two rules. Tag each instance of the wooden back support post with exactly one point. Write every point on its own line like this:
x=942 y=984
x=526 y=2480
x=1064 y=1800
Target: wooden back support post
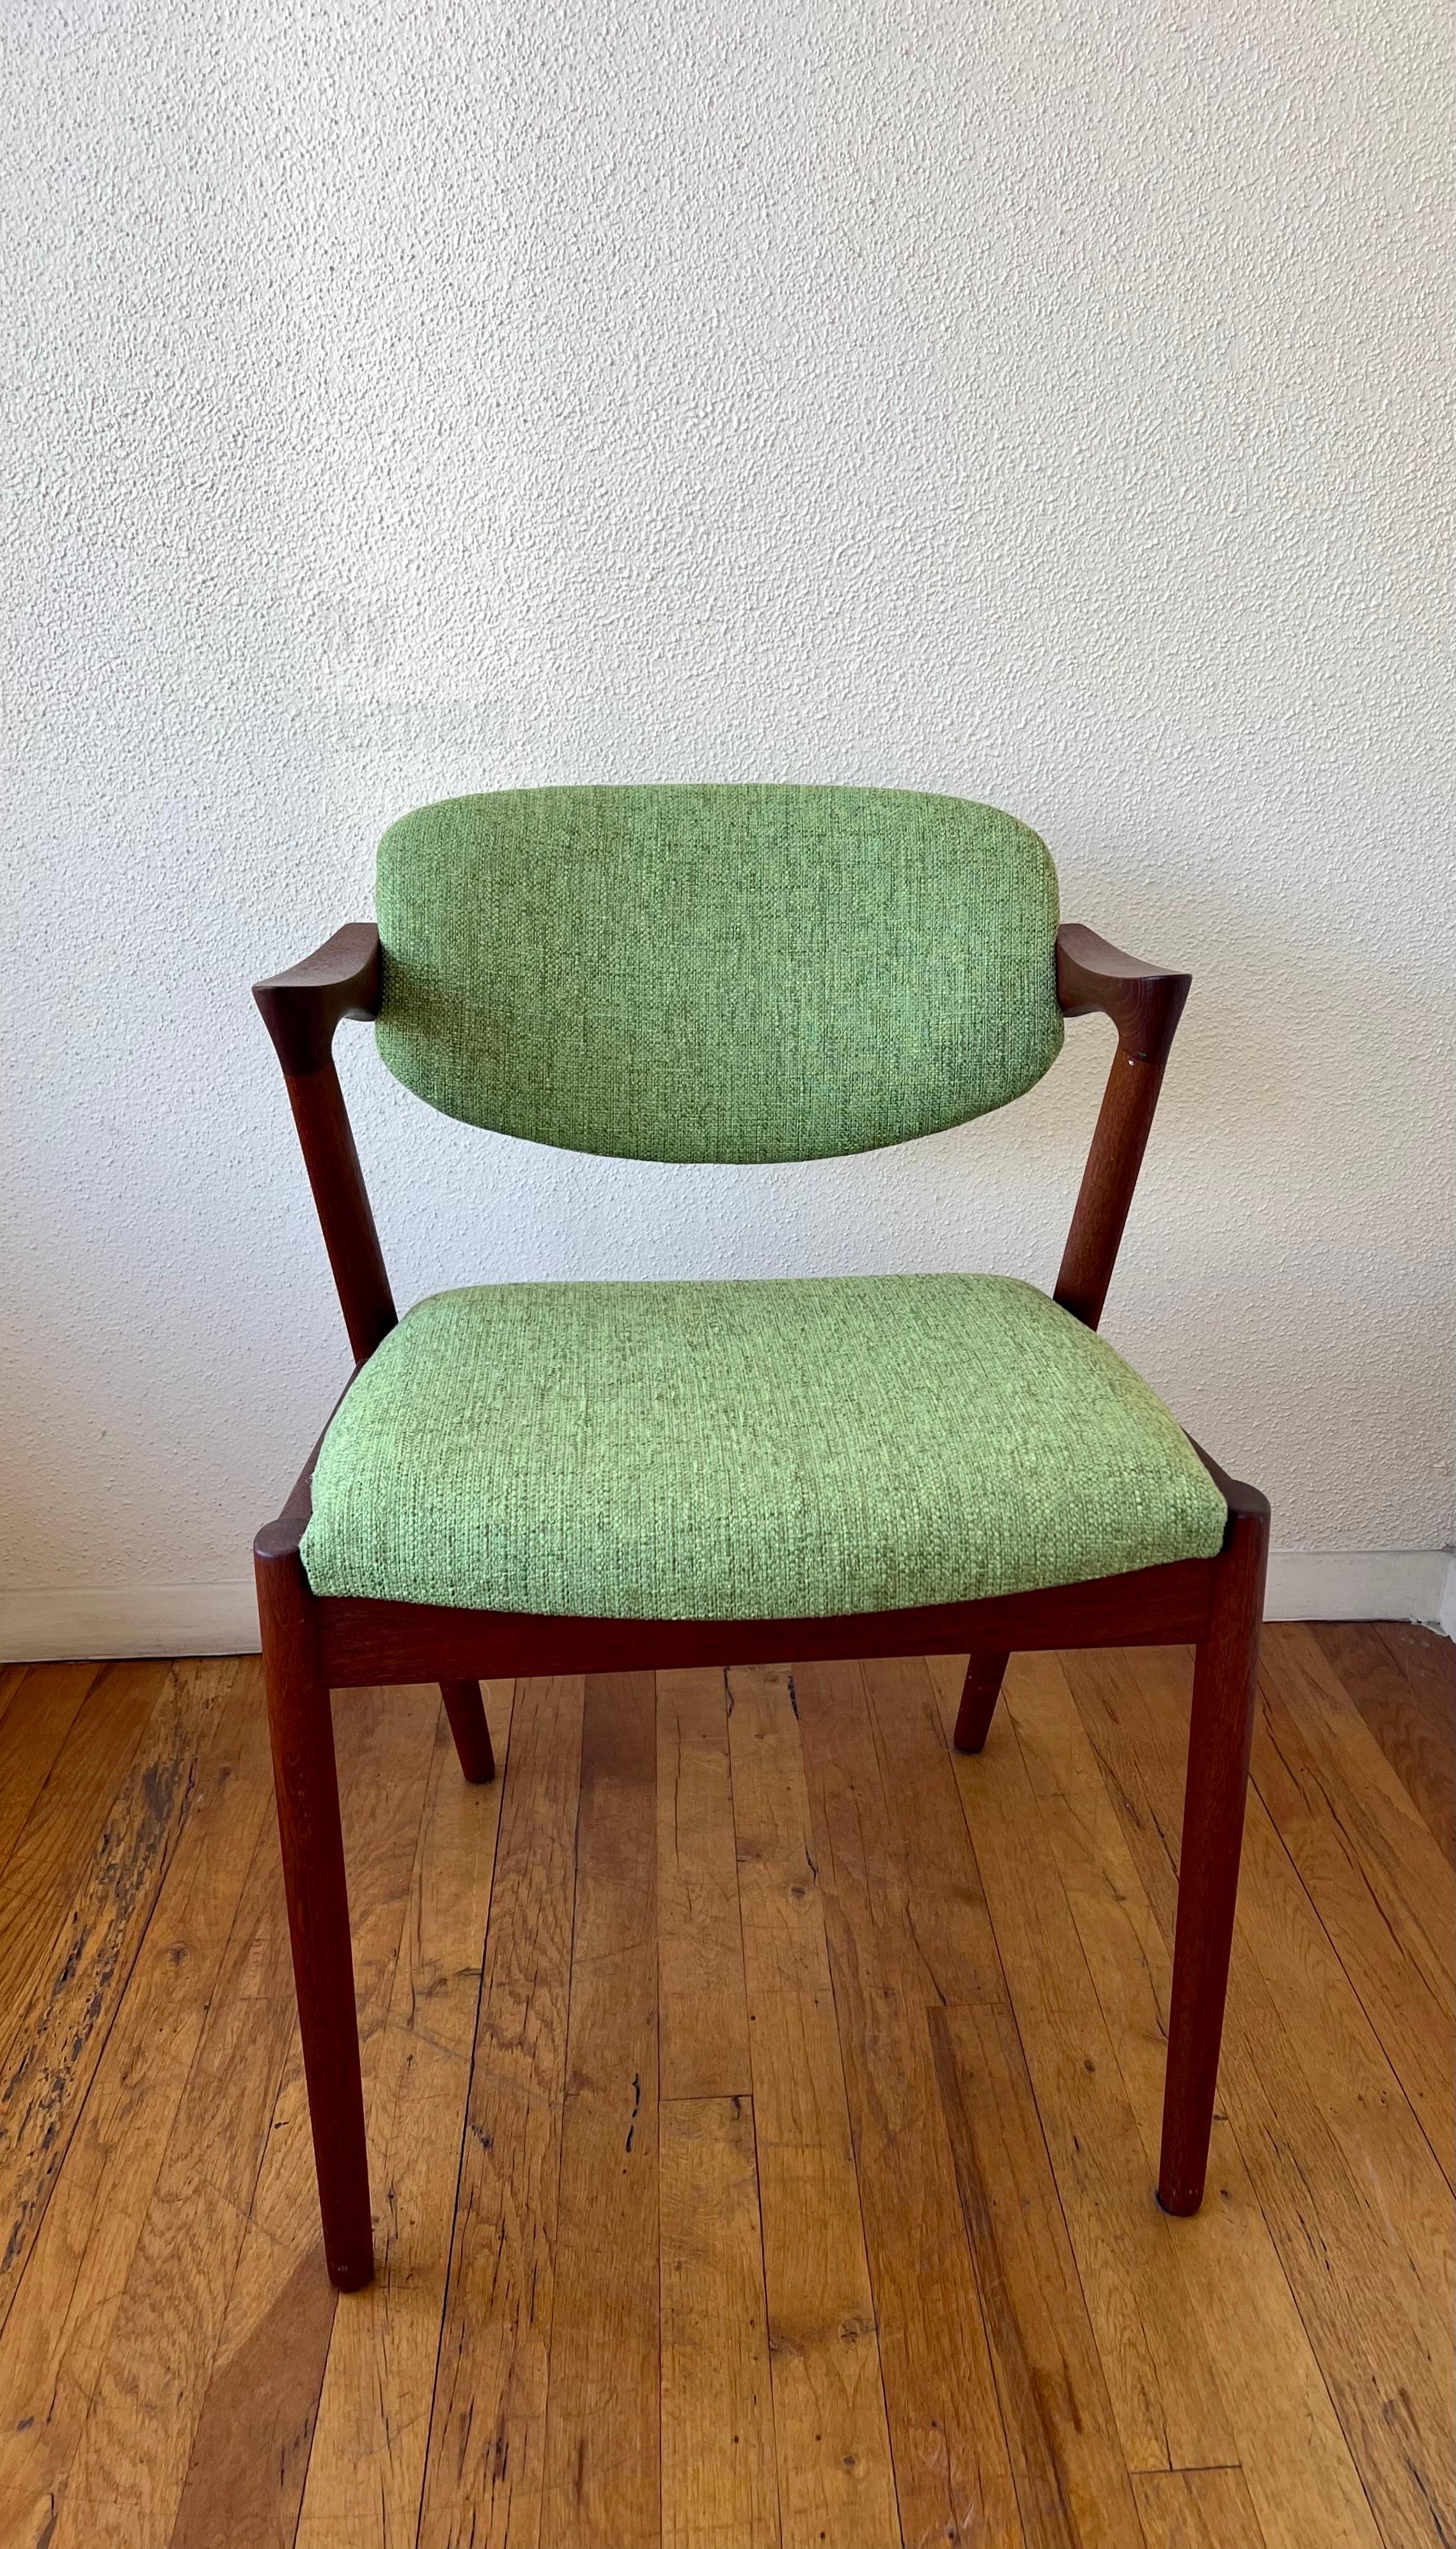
x=301 y=1009
x=1144 y=1004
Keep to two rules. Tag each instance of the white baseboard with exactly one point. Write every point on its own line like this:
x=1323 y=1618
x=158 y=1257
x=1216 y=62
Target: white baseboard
x=1358 y=1584
x=221 y=1619
x=138 y=1620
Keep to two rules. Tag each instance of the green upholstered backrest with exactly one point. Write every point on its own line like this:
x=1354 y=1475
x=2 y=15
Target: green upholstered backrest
x=717 y=973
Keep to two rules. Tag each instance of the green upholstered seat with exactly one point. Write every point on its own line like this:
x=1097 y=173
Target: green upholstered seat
x=747 y=1451
x=730 y=972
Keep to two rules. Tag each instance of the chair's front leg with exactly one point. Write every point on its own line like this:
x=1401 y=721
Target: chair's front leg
x=980 y=1691
x=1219 y=1742
x=305 y=1784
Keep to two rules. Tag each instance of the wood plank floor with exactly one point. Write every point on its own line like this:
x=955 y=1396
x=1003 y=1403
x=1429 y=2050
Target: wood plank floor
x=763 y=2109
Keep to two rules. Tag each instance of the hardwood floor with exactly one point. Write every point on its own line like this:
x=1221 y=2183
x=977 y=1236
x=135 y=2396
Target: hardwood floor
x=763 y=2106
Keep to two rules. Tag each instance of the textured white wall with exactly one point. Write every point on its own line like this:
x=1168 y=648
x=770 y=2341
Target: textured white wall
x=1036 y=403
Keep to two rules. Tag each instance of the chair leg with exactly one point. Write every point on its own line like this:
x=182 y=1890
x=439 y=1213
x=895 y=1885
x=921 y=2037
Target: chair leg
x=1221 y=1731
x=306 y=1785
x=983 y=1678
x=466 y=1711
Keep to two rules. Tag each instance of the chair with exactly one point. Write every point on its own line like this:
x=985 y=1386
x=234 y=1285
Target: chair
x=543 y=1478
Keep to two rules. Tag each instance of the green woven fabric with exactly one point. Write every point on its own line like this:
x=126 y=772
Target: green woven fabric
x=747 y=1451
x=716 y=973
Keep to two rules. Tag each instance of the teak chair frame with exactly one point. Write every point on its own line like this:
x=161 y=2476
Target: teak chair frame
x=313 y=1645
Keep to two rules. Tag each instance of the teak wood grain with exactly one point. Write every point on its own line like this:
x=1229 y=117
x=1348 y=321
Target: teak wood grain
x=917 y=2234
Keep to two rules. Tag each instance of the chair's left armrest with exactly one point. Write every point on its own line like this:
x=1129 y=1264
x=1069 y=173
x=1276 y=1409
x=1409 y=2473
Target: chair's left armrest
x=343 y=979
x=301 y=1009
x=1144 y=1001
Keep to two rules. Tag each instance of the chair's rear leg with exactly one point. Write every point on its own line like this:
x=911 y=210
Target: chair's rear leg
x=1219 y=1743
x=466 y=1711
x=984 y=1675
x=306 y=1785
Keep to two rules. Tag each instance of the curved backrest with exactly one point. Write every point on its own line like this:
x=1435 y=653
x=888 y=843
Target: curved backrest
x=750 y=973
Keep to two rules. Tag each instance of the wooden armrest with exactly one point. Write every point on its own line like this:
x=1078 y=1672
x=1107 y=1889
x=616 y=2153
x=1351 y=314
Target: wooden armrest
x=343 y=979
x=1144 y=1004
x=1144 y=1001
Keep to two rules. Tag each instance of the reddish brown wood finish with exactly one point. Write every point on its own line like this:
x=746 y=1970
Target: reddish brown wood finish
x=1124 y=1122
x=301 y=1009
x=421 y=1642
x=305 y=1784
x=313 y=1644
x=364 y=1643
x=1219 y=1742
x=343 y=979
x=1144 y=1004
x=1144 y=1001
x=980 y=1691
x=466 y=1711
x=344 y=1216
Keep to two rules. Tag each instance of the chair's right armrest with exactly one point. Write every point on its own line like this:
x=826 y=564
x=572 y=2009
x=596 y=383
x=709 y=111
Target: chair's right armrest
x=1144 y=1001
x=343 y=979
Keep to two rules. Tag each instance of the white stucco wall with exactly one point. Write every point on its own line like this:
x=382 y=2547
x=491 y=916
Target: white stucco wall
x=1036 y=403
